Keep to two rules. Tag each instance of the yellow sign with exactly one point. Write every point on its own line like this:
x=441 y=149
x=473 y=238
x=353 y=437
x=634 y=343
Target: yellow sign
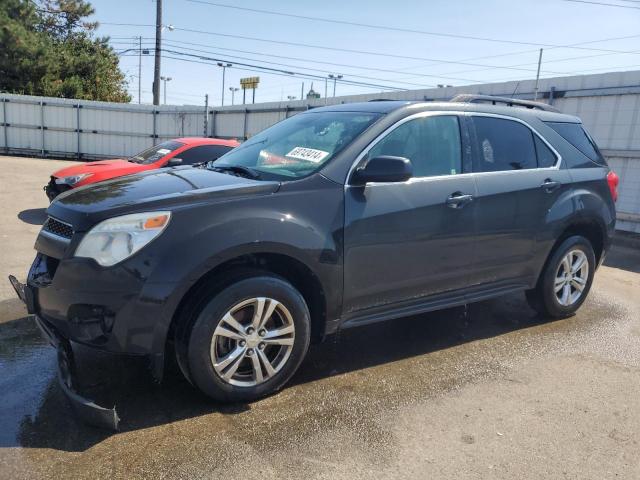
x=249 y=83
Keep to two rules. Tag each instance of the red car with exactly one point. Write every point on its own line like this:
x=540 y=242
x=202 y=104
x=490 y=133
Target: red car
x=181 y=151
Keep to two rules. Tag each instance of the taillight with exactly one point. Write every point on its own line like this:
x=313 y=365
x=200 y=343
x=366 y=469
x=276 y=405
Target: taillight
x=613 y=179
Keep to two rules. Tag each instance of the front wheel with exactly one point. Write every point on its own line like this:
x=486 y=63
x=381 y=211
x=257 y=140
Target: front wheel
x=249 y=339
x=565 y=280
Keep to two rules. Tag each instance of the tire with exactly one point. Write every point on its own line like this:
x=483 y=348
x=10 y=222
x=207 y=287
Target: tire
x=557 y=304
x=216 y=350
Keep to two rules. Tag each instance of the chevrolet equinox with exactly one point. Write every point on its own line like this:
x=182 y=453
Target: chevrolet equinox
x=334 y=218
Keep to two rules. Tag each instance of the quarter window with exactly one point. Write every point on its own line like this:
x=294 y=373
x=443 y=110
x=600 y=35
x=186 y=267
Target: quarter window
x=503 y=145
x=546 y=158
x=431 y=143
x=575 y=134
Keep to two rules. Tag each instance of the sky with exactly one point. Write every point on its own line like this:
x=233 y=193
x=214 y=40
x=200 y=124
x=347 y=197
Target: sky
x=502 y=42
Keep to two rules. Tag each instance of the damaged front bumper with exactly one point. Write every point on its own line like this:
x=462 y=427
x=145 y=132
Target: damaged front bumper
x=52 y=189
x=86 y=409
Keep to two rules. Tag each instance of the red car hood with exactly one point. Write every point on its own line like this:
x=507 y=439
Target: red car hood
x=117 y=167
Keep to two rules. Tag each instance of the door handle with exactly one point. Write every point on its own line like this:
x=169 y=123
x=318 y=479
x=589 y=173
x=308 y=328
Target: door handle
x=458 y=200
x=550 y=185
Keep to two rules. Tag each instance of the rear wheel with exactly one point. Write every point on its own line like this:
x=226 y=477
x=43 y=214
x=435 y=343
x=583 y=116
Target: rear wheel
x=566 y=279
x=249 y=339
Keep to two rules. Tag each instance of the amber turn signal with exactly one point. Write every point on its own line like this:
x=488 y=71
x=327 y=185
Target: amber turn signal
x=156 y=222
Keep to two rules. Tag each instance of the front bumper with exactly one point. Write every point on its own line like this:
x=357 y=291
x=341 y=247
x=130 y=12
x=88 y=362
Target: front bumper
x=85 y=408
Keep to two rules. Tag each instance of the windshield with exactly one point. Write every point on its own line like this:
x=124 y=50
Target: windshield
x=298 y=146
x=155 y=153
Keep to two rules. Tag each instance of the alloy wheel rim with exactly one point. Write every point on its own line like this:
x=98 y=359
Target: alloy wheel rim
x=252 y=342
x=571 y=277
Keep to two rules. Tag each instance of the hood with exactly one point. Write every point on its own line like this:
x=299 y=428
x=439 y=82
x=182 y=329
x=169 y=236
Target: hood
x=155 y=189
x=104 y=166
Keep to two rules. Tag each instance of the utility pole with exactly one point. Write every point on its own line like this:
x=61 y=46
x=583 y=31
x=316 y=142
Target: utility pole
x=535 y=95
x=158 y=52
x=140 y=69
x=302 y=92
x=206 y=115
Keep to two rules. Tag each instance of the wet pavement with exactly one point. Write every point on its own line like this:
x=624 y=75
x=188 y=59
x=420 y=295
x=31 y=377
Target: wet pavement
x=491 y=391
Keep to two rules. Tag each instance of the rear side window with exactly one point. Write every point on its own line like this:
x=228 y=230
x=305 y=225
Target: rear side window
x=575 y=134
x=203 y=153
x=503 y=145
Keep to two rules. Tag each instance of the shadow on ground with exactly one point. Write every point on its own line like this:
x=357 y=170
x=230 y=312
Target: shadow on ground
x=37 y=415
x=33 y=216
x=624 y=258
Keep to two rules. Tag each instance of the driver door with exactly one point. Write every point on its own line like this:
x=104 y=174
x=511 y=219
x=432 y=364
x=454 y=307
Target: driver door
x=407 y=241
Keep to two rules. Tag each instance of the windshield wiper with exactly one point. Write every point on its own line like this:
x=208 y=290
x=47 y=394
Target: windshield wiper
x=236 y=169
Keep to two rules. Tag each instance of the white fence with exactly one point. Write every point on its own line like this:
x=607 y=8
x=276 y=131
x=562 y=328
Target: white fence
x=609 y=105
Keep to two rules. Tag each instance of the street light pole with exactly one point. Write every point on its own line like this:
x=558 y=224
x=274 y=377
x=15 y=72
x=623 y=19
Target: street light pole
x=224 y=68
x=140 y=69
x=165 y=80
x=335 y=78
x=325 y=91
x=233 y=91
x=158 y=52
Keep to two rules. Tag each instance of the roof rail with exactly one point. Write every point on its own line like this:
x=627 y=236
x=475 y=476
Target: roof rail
x=511 y=102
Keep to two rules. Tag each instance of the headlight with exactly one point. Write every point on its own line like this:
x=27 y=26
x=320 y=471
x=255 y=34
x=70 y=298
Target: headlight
x=115 y=239
x=73 y=179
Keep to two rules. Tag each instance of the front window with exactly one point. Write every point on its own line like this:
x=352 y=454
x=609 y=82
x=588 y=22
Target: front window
x=155 y=153
x=298 y=146
x=431 y=143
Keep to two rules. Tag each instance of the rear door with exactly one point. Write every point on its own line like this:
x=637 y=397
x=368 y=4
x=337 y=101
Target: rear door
x=518 y=179
x=405 y=241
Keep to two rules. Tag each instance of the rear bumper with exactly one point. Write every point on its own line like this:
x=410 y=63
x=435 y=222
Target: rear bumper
x=86 y=409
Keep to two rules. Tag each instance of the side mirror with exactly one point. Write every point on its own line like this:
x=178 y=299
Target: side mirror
x=174 y=162
x=383 y=169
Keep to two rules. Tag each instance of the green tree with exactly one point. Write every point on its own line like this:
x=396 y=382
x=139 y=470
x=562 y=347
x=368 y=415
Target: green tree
x=49 y=48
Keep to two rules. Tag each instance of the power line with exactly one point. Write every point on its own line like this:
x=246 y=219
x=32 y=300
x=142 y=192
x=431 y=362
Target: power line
x=378 y=27
x=585 y=1
x=443 y=76
x=283 y=73
x=610 y=39
x=270 y=69
x=348 y=50
x=177 y=44
x=531 y=63
x=575 y=46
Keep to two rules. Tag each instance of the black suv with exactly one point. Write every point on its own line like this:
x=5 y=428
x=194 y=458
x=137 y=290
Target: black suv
x=334 y=218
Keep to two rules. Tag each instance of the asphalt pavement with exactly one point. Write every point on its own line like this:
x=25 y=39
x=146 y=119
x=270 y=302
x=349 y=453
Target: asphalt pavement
x=490 y=391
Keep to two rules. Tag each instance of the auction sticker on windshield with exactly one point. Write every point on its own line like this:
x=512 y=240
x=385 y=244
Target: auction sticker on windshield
x=308 y=154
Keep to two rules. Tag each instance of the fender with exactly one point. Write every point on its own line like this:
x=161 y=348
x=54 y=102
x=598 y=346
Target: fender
x=278 y=225
x=577 y=208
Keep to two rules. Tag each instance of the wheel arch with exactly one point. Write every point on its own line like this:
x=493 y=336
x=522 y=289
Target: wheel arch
x=589 y=228
x=246 y=265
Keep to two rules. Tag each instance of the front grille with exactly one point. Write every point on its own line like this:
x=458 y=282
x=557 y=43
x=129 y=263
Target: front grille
x=58 y=228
